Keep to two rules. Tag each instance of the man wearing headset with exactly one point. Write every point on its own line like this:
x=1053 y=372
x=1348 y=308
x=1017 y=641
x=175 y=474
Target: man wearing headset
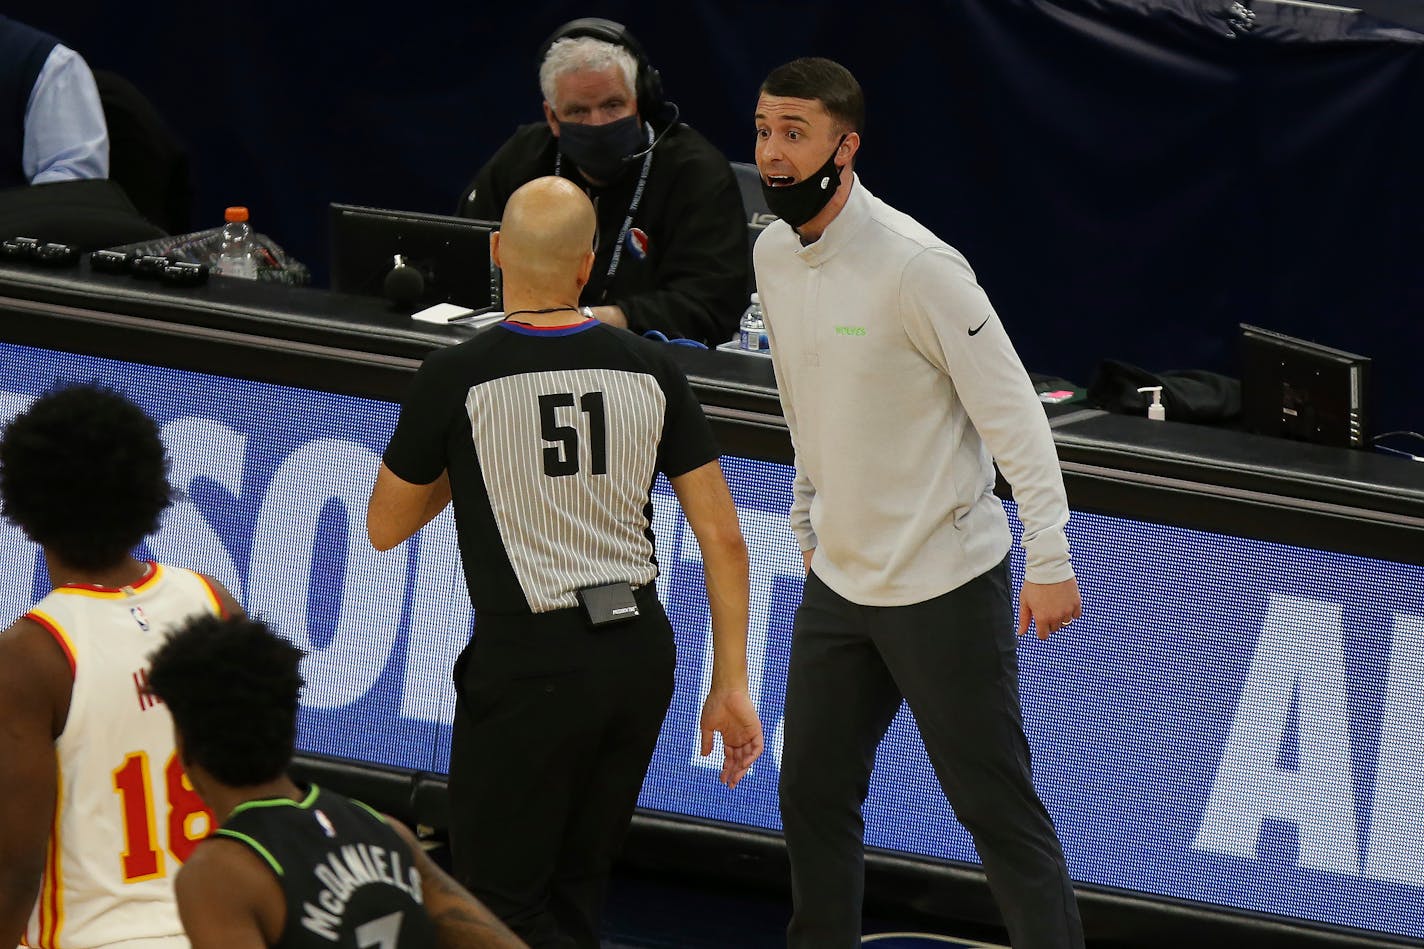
x=672 y=237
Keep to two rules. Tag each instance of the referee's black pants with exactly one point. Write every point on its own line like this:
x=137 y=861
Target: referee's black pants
x=952 y=658
x=554 y=727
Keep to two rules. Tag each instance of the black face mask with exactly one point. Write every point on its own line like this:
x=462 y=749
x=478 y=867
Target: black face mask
x=599 y=150
x=796 y=204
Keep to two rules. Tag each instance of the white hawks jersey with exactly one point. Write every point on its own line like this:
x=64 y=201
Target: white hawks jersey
x=126 y=816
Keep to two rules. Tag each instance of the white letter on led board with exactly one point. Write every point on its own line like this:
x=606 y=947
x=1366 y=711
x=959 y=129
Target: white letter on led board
x=1300 y=655
x=373 y=584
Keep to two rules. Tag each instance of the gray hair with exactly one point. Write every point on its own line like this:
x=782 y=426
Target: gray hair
x=585 y=52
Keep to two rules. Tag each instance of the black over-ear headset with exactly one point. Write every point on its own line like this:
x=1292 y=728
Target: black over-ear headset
x=649 y=84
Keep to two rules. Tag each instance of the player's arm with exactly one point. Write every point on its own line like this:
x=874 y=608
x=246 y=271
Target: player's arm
x=228 y=607
x=35 y=685
x=461 y=921
x=707 y=503
x=228 y=899
x=398 y=508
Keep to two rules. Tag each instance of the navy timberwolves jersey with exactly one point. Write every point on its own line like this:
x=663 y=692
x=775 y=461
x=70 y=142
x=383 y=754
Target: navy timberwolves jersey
x=348 y=878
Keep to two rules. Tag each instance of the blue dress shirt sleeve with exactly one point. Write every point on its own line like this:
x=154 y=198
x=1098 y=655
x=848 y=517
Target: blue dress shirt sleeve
x=66 y=137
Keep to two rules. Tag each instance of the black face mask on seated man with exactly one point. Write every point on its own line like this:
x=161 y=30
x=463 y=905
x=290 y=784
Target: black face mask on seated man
x=600 y=150
x=796 y=204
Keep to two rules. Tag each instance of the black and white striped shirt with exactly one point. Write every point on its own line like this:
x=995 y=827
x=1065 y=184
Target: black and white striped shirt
x=552 y=437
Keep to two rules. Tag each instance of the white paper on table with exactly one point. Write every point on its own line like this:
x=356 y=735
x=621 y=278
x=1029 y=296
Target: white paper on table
x=443 y=313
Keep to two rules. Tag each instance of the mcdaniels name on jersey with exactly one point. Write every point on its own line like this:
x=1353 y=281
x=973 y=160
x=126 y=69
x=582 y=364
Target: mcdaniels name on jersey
x=346 y=870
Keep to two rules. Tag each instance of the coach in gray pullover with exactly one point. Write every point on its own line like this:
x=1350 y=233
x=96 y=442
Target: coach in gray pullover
x=901 y=388
x=899 y=382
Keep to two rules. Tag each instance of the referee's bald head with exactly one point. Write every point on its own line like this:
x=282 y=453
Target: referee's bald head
x=546 y=235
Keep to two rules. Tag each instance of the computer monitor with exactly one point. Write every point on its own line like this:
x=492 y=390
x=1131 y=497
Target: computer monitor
x=1298 y=389
x=451 y=255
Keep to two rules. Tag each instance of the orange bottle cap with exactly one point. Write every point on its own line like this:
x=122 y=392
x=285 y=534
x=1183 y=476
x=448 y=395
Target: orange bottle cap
x=235 y=214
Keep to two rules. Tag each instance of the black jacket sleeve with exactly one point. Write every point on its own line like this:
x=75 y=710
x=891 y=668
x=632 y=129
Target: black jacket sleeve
x=516 y=162
x=703 y=279
x=479 y=200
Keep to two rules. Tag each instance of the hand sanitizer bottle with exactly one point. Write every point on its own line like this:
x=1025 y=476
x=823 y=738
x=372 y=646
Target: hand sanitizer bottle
x=1157 y=412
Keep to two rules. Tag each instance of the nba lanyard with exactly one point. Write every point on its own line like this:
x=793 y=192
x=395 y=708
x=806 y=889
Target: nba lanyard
x=632 y=207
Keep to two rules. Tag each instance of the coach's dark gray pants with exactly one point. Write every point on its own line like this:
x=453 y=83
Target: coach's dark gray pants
x=952 y=659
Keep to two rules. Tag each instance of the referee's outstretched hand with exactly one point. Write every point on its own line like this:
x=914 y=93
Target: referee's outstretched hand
x=730 y=712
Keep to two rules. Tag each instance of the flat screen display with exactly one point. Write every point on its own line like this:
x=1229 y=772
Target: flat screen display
x=1294 y=388
x=448 y=258
x=1233 y=722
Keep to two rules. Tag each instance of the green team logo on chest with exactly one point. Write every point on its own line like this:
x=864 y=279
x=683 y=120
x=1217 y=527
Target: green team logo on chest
x=850 y=330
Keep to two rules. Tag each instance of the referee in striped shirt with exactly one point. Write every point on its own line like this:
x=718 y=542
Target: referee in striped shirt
x=547 y=431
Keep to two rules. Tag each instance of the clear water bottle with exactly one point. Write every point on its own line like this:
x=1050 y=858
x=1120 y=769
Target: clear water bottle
x=236 y=258
x=753 y=331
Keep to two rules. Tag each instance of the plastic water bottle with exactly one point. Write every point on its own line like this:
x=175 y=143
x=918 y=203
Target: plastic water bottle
x=753 y=330
x=236 y=259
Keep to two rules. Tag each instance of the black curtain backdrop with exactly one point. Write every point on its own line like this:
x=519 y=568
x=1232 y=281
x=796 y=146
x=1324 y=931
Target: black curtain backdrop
x=1129 y=178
